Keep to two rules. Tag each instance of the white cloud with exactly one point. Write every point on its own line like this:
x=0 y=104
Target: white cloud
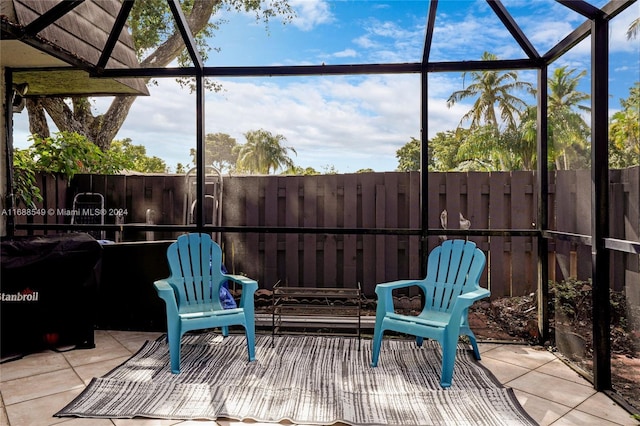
x=327 y=120
x=311 y=13
x=346 y=53
x=365 y=42
x=452 y=38
x=21 y=130
x=390 y=42
x=349 y=123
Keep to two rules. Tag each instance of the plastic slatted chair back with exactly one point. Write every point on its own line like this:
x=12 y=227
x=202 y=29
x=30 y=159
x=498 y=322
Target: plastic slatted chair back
x=195 y=262
x=453 y=268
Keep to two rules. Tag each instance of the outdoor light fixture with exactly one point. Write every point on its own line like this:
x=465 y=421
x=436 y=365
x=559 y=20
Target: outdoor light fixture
x=17 y=98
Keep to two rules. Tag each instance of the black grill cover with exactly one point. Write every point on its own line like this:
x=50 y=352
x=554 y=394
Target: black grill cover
x=47 y=292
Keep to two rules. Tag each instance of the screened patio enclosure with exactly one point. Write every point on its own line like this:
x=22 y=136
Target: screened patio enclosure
x=595 y=26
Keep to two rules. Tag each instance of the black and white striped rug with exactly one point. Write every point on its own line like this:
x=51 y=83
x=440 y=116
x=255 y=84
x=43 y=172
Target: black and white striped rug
x=301 y=379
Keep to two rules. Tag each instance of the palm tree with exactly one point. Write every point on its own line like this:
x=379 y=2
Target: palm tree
x=568 y=130
x=634 y=28
x=492 y=88
x=624 y=132
x=263 y=152
x=526 y=140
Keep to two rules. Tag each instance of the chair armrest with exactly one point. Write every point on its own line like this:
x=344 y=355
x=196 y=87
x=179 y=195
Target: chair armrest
x=465 y=300
x=164 y=289
x=166 y=293
x=392 y=285
x=385 y=293
x=249 y=287
x=478 y=294
x=248 y=284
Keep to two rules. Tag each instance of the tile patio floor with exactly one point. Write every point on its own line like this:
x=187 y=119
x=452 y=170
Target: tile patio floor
x=37 y=386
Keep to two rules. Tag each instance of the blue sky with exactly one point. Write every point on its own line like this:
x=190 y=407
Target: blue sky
x=349 y=123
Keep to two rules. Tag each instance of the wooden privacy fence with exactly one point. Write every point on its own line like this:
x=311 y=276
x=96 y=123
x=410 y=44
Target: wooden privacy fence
x=497 y=200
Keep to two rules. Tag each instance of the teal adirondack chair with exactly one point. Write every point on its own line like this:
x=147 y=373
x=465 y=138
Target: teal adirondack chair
x=192 y=294
x=450 y=288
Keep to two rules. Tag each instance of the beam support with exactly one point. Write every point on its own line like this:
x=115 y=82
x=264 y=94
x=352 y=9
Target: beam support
x=543 y=205
x=424 y=139
x=200 y=150
x=9 y=202
x=115 y=32
x=424 y=171
x=600 y=203
x=514 y=29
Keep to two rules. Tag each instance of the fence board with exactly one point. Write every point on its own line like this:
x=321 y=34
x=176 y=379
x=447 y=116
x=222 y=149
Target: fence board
x=390 y=189
x=231 y=216
x=616 y=228
x=310 y=214
x=551 y=202
x=329 y=209
x=380 y=264
x=99 y=185
x=152 y=198
x=523 y=265
x=368 y=197
x=499 y=261
x=172 y=208
x=252 y=262
x=292 y=248
x=50 y=188
x=565 y=215
x=60 y=192
x=271 y=272
x=477 y=199
x=631 y=181
x=349 y=250
x=415 y=262
x=436 y=196
x=135 y=189
x=582 y=206
x=453 y=204
x=582 y=259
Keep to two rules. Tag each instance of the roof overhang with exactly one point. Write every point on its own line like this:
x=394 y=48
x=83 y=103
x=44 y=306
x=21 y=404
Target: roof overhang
x=50 y=76
x=60 y=59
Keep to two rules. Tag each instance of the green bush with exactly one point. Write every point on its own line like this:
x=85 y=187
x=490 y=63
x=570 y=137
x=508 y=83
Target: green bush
x=572 y=299
x=25 y=189
x=66 y=153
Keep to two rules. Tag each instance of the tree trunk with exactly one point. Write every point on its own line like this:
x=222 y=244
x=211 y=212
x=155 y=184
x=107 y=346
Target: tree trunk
x=62 y=115
x=37 y=118
x=104 y=128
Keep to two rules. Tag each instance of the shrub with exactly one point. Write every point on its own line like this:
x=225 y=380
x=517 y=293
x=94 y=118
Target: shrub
x=66 y=153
